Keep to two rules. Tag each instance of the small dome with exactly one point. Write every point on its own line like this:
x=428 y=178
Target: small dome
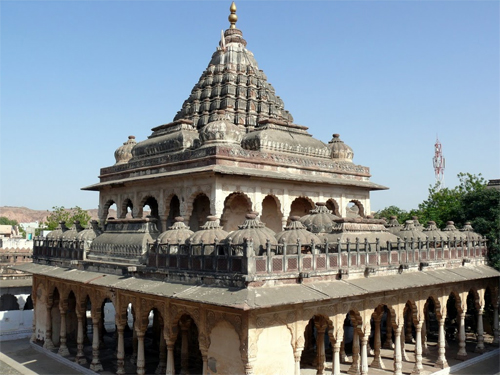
x=295 y=232
x=57 y=233
x=416 y=222
x=124 y=153
x=220 y=131
x=433 y=232
x=339 y=150
x=89 y=233
x=177 y=233
x=393 y=225
x=209 y=233
x=410 y=232
x=253 y=229
x=469 y=232
x=453 y=233
x=72 y=233
x=319 y=220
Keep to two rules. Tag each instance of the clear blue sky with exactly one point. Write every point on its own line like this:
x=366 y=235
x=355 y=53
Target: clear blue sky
x=78 y=77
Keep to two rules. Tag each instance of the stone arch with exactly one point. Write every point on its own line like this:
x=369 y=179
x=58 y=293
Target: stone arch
x=126 y=204
x=236 y=206
x=152 y=202
x=106 y=207
x=29 y=303
x=271 y=213
x=224 y=347
x=8 y=302
x=172 y=209
x=199 y=208
x=55 y=298
x=186 y=337
x=318 y=323
x=301 y=206
x=355 y=208
x=333 y=206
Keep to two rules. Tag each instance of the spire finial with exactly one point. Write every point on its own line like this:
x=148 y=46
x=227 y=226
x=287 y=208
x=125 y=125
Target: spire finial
x=232 y=17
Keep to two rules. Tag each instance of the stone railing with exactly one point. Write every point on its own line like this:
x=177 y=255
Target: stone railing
x=331 y=258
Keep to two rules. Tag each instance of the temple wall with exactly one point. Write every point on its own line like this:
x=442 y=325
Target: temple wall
x=275 y=352
x=224 y=353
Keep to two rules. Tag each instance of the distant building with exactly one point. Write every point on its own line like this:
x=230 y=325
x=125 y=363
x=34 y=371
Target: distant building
x=494 y=184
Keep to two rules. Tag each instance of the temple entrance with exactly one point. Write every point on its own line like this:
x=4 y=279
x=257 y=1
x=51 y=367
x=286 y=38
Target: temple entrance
x=271 y=214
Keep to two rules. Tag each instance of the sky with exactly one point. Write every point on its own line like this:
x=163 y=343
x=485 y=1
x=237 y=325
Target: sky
x=78 y=77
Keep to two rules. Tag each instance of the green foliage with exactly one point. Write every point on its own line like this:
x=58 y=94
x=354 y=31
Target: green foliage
x=68 y=215
x=401 y=214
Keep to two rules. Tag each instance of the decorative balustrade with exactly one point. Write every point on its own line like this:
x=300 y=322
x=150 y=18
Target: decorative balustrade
x=337 y=257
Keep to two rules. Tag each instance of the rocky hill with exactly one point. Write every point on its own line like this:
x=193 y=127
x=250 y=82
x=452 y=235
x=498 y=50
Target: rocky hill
x=27 y=215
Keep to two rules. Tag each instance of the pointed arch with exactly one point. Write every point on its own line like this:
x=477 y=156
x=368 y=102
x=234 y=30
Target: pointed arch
x=236 y=206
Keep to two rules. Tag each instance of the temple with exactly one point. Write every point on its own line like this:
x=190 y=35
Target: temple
x=243 y=245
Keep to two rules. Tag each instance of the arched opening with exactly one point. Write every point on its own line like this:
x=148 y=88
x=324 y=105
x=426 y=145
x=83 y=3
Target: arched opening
x=71 y=323
x=452 y=320
x=107 y=335
x=354 y=209
x=154 y=344
x=409 y=326
x=55 y=314
x=8 y=302
x=201 y=209
x=431 y=324
x=187 y=354
x=271 y=214
x=236 y=206
x=471 y=313
x=173 y=211
x=300 y=207
x=29 y=303
x=127 y=209
x=150 y=208
x=110 y=210
x=317 y=345
x=489 y=313
x=333 y=206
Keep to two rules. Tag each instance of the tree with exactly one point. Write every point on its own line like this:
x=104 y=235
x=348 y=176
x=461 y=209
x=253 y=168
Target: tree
x=401 y=214
x=68 y=215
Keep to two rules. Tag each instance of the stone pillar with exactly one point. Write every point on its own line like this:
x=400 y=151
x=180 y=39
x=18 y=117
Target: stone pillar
x=80 y=356
x=63 y=348
x=441 y=361
x=364 y=355
x=296 y=356
x=95 y=365
x=336 y=358
x=388 y=344
x=170 y=358
x=377 y=343
x=496 y=331
x=462 y=353
x=403 y=349
x=320 y=345
x=120 y=349
x=354 y=369
x=48 y=344
x=480 y=332
x=425 y=348
x=162 y=365
x=33 y=335
x=141 y=362
x=184 y=325
x=204 y=358
x=398 y=363
x=343 y=356
x=418 y=368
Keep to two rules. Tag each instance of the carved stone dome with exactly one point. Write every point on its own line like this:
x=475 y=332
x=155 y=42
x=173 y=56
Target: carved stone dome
x=72 y=233
x=469 y=232
x=393 y=225
x=220 y=131
x=453 y=233
x=177 y=233
x=124 y=153
x=253 y=229
x=319 y=220
x=209 y=232
x=89 y=233
x=296 y=231
x=433 y=232
x=339 y=150
x=57 y=234
x=409 y=231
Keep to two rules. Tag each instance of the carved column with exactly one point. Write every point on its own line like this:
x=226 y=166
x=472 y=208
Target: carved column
x=336 y=358
x=462 y=353
x=425 y=348
x=403 y=348
x=441 y=361
x=343 y=356
x=48 y=344
x=95 y=365
x=162 y=365
x=80 y=356
x=388 y=344
x=184 y=325
x=364 y=355
x=398 y=364
x=141 y=362
x=297 y=353
x=170 y=358
x=354 y=369
x=418 y=368
x=320 y=344
x=120 y=349
x=480 y=331
x=63 y=348
x=377 y=343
